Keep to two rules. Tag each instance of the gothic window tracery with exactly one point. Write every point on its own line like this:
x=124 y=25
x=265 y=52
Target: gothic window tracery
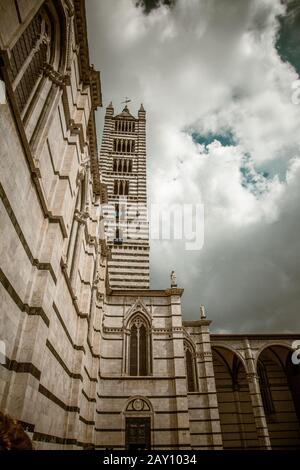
x=139 y=347
x=29 y=56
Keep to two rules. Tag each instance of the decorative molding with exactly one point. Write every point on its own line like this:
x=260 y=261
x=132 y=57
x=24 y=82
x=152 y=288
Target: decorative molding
x=107 y=329
x=137 y=307
x=138 y=404
x=56 y=77
x=81 y=217
x=174 y=291
x=252 y=377
x=204 y=355
x=174 y=329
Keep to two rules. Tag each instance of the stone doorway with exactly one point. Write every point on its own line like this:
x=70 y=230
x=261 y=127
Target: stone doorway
x=137 y=434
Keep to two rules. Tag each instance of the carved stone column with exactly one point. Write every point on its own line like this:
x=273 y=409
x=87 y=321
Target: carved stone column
x=81 y=219
x=207 y=385
x=256 y=400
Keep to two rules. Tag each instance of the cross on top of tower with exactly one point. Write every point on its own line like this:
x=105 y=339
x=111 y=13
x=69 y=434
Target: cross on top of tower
x=127 y=100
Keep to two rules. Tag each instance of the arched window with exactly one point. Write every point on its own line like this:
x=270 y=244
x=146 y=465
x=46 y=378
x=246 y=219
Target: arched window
x=139 y=348
x=190 y=367
x=28 y=57
x=116 y=187
x=126 y=188
x=265 y=390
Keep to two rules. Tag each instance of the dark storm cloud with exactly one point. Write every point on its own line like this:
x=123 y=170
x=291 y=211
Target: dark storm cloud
x=149 y=5
x=211 y=69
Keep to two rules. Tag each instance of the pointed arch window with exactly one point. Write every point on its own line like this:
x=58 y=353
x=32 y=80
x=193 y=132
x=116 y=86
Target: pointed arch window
x=190 y=367
x=28 y=57
x=139 y=348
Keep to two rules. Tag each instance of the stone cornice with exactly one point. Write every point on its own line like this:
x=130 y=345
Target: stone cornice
x=174 y=291
x=156 y=331
x=195 y=323
x=144 y=292
x=87 y=73
x=254 y=336
x=91 y=78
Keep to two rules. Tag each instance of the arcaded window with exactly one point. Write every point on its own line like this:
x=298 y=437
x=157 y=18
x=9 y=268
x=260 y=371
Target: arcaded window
x=139 y=348
x=190 y=366
x=124 y=145
x=124 y=126
x=121 y=188
x=29 y=56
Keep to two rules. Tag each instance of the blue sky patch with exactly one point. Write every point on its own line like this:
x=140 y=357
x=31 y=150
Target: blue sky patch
x=253 y=179
x=226 y=138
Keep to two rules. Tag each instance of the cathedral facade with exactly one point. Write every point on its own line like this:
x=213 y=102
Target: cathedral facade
x=90 y=355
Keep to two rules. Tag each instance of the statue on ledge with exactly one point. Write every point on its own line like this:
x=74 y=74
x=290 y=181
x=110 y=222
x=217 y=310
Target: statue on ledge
x=173 y=279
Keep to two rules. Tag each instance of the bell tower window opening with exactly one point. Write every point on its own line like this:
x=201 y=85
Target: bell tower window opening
x=124 y=127
x=124 y=146
x=121 y=188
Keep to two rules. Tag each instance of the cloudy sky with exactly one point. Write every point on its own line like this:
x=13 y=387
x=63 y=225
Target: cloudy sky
x=218 y=79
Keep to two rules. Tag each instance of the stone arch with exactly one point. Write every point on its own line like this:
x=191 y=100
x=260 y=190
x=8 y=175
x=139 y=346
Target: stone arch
x=271 y=344
x=131 y=406
x=138 y=417
x=235 y=407
x=280 y=395
x=137 y=308
x=236 y=352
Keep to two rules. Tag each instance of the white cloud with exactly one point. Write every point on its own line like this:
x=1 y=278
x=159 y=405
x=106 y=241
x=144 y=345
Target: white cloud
x=212 y=67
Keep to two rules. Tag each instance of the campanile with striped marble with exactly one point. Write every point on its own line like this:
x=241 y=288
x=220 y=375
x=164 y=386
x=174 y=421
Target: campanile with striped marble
x=123 y=168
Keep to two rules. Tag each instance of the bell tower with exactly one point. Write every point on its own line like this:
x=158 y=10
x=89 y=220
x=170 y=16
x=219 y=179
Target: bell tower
x=123 y=169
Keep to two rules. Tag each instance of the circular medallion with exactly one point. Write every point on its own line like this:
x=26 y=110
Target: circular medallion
x=138 y=404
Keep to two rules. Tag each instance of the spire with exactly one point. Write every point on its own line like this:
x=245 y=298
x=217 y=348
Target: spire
x=125 y=113
x=110 y=110
x=142 y=112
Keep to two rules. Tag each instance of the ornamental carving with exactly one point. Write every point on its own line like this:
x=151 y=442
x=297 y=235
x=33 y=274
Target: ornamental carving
x=81 y=217
x=56 y=77
x=204 y=355
x=138 y=404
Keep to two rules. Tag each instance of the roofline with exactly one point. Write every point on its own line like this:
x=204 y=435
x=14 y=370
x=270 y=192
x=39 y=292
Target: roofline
x=144 y=292
x=217 y=336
